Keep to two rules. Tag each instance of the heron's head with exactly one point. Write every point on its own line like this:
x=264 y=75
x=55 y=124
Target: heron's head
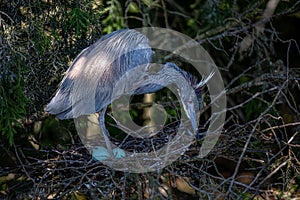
x=188 y=86
x=196 y=83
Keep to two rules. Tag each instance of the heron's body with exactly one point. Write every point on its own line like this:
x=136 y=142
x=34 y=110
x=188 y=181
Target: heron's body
x=102 y=64
x=87 y=87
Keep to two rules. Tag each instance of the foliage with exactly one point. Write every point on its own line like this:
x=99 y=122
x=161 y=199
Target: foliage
x=114 y=20
x=12 y=98
x=35 y=49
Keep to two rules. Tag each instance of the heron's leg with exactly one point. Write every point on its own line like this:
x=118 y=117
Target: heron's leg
x=104 y=131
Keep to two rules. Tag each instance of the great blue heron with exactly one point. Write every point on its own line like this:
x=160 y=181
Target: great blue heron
x=103 y=64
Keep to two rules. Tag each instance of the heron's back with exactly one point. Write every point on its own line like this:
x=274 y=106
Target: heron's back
x=94 y=72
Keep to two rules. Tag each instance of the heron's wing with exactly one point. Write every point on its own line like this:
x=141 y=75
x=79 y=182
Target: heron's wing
x=88 y=83
x=60 y=105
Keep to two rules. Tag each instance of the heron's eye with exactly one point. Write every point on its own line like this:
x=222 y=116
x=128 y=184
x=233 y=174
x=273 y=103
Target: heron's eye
x=154 y=68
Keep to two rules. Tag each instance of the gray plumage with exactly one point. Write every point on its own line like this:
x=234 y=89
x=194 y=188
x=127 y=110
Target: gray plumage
x=103 y=64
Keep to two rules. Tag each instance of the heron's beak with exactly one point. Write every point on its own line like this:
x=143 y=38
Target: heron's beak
x=190 y=111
